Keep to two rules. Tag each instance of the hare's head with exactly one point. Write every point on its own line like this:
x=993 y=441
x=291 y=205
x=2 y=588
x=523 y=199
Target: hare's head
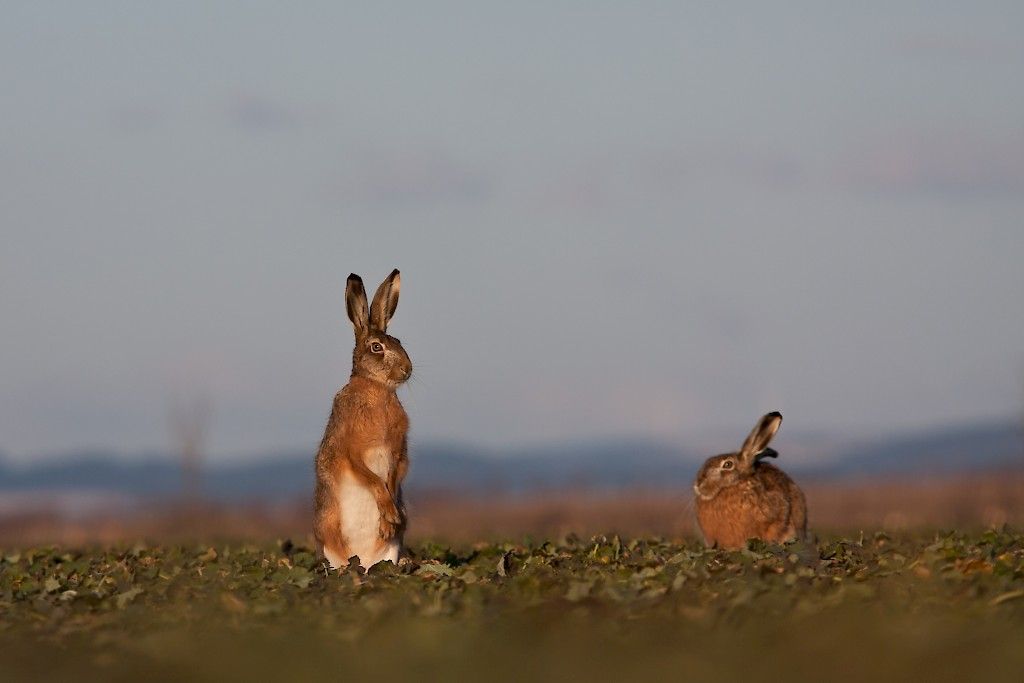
x=723 y=471
x=377 y=355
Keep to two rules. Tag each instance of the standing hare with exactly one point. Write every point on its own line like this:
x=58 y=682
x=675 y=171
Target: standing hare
x=363 y=456
x=739 y=496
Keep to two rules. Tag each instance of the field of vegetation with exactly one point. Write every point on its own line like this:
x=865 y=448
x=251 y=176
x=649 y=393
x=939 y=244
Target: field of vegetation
x=944 y=606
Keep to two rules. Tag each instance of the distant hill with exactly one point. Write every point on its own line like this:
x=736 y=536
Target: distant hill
x=435 y=467
x=607 y=464
x=965 y=449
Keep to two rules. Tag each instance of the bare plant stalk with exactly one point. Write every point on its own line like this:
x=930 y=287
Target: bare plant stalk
x=189 y=422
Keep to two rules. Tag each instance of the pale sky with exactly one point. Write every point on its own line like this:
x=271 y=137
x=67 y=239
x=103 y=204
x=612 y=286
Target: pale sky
x=611 y=218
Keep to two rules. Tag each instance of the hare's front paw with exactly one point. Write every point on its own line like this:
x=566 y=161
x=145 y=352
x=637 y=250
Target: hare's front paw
x=390 y=513
x=390 y=520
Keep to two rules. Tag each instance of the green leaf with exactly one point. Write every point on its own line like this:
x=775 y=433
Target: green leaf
x=1006 y=597
x=434 y=569
x=301 y=577
x=209 y=556
x=124 y=598
x=504 y=563
x=578 y=590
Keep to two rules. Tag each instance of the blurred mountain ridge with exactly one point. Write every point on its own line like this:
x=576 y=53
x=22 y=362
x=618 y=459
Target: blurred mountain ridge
x=606 y=464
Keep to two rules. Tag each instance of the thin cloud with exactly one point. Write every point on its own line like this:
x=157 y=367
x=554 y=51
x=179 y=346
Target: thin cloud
x=950 y=47
x=414 y=179
x=137 y=117
x=587 y=190
x=257 y=113
x=600 y=182
x=747 y=165
x=952 y=165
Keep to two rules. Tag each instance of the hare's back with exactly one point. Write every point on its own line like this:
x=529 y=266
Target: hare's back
x=772 y=478
x=780 y=487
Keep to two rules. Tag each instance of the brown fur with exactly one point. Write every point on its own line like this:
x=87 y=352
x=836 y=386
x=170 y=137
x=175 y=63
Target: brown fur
x=366 y=415
x=739 y=496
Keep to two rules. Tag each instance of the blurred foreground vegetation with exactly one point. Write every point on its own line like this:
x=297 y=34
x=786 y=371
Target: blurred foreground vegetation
x=936 y=606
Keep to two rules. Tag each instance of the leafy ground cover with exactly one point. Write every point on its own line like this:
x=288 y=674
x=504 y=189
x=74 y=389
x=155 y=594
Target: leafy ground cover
x=939 y=606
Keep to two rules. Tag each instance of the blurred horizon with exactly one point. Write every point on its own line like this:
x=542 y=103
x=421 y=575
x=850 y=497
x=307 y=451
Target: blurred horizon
x=655 y=221
x=808 y=448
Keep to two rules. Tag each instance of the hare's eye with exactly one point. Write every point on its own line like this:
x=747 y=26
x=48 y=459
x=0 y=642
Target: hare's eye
x=727 y=465
x=376 y=347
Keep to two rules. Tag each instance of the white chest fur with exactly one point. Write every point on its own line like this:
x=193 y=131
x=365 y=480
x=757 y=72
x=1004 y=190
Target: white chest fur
x=360 y=517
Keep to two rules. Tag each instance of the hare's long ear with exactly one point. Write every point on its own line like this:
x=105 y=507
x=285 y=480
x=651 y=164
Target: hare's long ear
x=759 y=438
x=385 y=301
x=355 y=304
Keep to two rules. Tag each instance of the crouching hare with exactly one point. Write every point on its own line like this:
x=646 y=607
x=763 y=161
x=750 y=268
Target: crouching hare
x=363 y=457
x=740 y=496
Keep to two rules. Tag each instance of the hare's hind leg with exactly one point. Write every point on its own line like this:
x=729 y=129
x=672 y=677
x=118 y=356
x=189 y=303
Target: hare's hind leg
x=330 y=543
